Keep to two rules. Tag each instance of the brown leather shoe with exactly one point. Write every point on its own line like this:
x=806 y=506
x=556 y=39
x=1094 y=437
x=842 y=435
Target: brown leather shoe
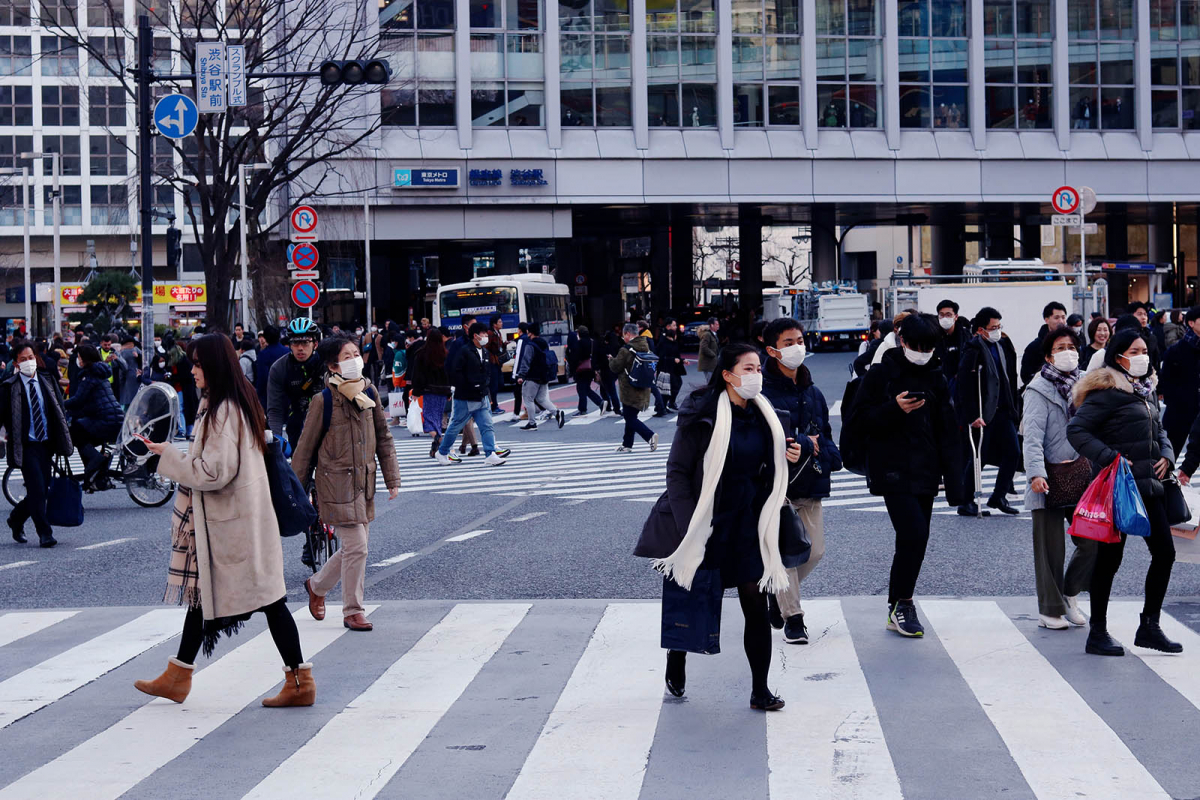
x=174 y=684
x=357 y=622
x=316 y=603
x=298 y=689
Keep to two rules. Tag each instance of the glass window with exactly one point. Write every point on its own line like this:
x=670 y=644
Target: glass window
x=106 y=55
x=508 y=82
x=16 y=105
x=70 y=204
x=766 y=62
x=106 y=106
x=933 y=60
x=1018 y=51
x=14 y=12
x=59 y=13
x=419 y=43
x=1101 y=65
x=11 y=147
x=60 y=105
x=849 y=63
x=1174 y=64
x=594 y=63
x=60 y=56
x=16 y=55
x=105 y=14
x=682 y=63
x=110 y=205
x=108 y=155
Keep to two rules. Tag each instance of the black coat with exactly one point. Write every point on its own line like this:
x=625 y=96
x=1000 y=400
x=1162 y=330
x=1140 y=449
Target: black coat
x=977 y=370
x=669 y=350
x=93 y=404
x=807 y=415
x=909 y=453
x=1179 y=384
x=1112 y=420
x=469 y=374
x=862 y=363
x=949 y=349
x=14 y=416
x=1033 y=358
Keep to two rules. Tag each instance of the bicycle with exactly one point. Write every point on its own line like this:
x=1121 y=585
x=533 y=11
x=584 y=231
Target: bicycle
x=320 y=541
x=147 y=489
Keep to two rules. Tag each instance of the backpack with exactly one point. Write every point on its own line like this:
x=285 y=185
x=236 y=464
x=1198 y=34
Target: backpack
x=550 y=359
x=327 y=412
x=641 y=371
x=853 y=440
x=292 y=507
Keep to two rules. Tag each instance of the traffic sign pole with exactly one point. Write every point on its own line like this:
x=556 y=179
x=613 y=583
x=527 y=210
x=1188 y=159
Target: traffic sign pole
x=145 y=74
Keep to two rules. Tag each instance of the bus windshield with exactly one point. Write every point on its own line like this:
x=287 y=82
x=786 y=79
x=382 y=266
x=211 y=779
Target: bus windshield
x=550 y=311
x=480 y=301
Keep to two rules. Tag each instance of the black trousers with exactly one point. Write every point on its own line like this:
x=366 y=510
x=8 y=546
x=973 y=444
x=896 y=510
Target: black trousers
x=910 y=515
x=676 y=385
x=35 y=471
x=584 y=390
x=756 y=638
x=1158 y=576
x=279 y=620
x=86 y=444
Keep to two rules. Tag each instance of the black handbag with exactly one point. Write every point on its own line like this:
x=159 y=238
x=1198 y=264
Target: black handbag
x=794 y=544
x=64 y=502
x=691 y=618
x=292 y=507
x=1176 y=507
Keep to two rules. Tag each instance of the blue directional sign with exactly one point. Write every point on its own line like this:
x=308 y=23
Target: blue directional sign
x=175 y=116
x=425 y=178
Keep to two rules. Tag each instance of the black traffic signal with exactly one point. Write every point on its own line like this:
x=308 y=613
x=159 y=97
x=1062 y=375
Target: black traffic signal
x=355 y=73
x=173 y=247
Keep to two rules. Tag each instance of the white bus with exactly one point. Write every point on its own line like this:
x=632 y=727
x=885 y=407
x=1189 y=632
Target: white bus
x=522 y=297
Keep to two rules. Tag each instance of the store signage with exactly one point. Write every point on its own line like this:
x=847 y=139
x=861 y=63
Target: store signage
x=486 y=177
x=1129 y=267
x=425 y=178
x=179 y=293
x=526 y=177
x=516 y=177
x=236 y=54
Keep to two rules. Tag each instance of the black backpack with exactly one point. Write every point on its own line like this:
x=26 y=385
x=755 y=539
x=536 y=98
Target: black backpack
x=292 y=507
x=853 y=440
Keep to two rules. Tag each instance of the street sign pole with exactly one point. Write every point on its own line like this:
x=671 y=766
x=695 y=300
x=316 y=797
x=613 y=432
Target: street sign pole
x=1083 y=279
x=145 y=169
x=245 y=255
x=367 y=254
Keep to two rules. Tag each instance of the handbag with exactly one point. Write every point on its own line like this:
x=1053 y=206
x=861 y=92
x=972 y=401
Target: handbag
x=288 y=498
x=1129 y=512
x=584 y=366
x=1068 y=481
x=1173 y=501
x=794 y=543
x=64 y=502
x=691 y=618
x=663 y=381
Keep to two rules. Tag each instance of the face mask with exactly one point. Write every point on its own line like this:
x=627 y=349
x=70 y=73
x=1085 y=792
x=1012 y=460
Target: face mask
x=946 y=322
x=1138 y=365
x=917 y=357
x=352 y=369
x=792 y=356
x=1078 y=331
x=358 y=332
x=1066 y=360
x=751 y=386
x=483 y=340
x=28 y=368
x=995 y=336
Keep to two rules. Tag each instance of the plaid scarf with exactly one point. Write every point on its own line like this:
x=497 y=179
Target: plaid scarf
x=183 y=575
x=1063 y=383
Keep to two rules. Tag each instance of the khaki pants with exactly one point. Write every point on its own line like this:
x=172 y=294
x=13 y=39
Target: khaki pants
x=813 y=518
x=349 y=565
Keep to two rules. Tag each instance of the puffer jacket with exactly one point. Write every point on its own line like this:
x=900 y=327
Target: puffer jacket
x=344 y=460
x=1044 y=421
x=629 y=394
x=1112 y=420
x=808 y=415
x=93 y=405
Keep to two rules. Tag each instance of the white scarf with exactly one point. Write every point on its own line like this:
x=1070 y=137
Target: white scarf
x=681 y=565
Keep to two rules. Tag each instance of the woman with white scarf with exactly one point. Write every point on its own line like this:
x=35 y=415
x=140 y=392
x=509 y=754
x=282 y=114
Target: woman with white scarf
x=726 y=482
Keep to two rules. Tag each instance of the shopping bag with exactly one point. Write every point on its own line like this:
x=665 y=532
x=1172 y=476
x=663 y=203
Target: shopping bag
x=395 y=404
x=691 y=619
x=663 y=381
x=1094 y=514
x=415 y=425
x=64 y=502
x=1129 y=512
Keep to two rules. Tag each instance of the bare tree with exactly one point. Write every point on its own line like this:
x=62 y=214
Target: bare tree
x=790 y=258
x=703 y=250
x=304 y=131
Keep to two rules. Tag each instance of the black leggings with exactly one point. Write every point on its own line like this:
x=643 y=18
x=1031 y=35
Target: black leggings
x=279 y=619
x=910 y=515
x=757 y=637
x=1158 y=576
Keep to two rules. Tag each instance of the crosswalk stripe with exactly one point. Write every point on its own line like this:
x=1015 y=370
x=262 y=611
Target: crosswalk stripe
x=115 y=760
x=19 y=624
x=462 y=537
x=1030 y=704
x=585 y=420
x=835 y=748
x=109 y=543
x=365 y=744
x=387 y=562
x=597 y=740
x=56 y=677
x=16 y=564
x=1176 y=670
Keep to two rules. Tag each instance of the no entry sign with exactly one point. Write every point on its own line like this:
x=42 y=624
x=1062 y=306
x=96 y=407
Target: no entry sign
x=304 y=224
x=304 y=256
x=305 y=294
x=1065 y=200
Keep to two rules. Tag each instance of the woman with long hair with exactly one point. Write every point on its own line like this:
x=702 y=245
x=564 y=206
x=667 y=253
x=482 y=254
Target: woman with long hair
x=431 y=383
x=1099 y=332
x=727 y=480
x=226 y=556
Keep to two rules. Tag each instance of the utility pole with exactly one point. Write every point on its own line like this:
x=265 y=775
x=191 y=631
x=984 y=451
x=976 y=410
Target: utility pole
x=145 y=76
x=25 y=219
x=367 y=254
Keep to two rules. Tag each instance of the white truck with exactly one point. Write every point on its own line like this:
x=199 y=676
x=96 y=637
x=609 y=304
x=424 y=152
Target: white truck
x=831 y=315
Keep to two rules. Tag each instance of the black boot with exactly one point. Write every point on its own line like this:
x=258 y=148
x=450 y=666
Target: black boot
x=1150 y=635
x=775 y=613
x=1099 y=643
x=676 y=675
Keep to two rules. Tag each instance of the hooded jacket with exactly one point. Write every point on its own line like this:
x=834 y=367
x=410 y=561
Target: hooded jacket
x=808 y=415
x=93 y=405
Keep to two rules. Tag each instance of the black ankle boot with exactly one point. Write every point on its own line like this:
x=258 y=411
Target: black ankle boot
x=1099 y=643
x=765 y=700
x=676 y=674
x=1150 y=635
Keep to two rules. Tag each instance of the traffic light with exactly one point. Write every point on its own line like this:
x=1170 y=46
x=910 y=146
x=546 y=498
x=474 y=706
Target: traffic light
x=355 y=73
x=173 y=247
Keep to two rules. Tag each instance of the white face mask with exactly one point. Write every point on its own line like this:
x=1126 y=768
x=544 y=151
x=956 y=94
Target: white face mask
x=1078 y=330
x=946 y=322
x=751 y=386
x=917 y=357
x=483 y=340
x=995 y=336
x=28 y=368
x=1066 y=360
x=1138 y=365
x=351 y=370
x=793 y=355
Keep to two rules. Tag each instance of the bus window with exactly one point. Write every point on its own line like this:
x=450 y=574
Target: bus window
x=549 y=311
x=481 y=302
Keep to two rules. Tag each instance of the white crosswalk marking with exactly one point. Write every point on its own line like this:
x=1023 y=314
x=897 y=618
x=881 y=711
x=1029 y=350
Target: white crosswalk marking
x=1181 y=673
x=19 y=624
x=406 y=702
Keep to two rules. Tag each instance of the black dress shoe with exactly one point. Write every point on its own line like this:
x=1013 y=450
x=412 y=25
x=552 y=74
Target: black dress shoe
x=765 y=701
x=1099 y=643
x=46 y=541
x=972 y=510
x=17 y=533
x=1002 y=506
x=676 y=674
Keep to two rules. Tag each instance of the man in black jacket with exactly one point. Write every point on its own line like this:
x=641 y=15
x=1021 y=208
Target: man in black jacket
x=955 y=334
x=1179 y=382
x=469 y=377
x=986 y=399
x=1055 y=316
x=670 y=360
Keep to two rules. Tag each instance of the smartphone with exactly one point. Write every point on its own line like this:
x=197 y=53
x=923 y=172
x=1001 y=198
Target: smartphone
x=141 y=437
x=916 y=396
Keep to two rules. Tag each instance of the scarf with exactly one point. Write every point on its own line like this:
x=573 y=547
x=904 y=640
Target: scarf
x=1143 y=387
x=353 y=390
x=1190 y=337
x=1063 y=383
x=681 y=565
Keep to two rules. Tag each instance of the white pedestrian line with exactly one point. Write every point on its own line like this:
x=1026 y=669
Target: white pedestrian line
x=597 y=740
x=404 y=704
x=15 y=564
x=462 y=537
x=387 y=562
x=19 y=624
x=529 y=516
x=1175 y=670
x=836 y=747
x=109 y=543
x=1031 y=704
x=587 y=419
x=115 y=760
x=56 y=677
x=835 y=410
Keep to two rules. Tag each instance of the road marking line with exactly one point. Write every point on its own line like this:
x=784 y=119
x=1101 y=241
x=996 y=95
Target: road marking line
x=387 y=562
x=19 y=624
x=836 y=747
x=404 y=704
x=597 y=740
x=55 y=678
x=15 y=564
x=98 y=545
x=1031 y=704
x=462 y=537
x=1175 y=670
x=835 y=410
x=529 y=516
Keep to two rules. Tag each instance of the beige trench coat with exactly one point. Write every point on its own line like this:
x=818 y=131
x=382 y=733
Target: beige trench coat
x=238 y=550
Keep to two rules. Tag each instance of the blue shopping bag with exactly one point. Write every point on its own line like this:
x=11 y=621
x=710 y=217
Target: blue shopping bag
x=1128 y=509
x=691 y=619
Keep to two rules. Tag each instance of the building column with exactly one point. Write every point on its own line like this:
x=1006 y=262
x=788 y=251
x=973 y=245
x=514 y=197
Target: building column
x=1161 y=235
x=809 y=113
x=1141 y=80
x=553 y=105
x=949 y=253
x=1061 y=75
x=725 y=72
x=975 y=93
x=639 y=93
x=824 y=243
x=508 y=258
x=462 y=72
x=682 y=269
x=891 y=71
x=750 y=295
x=660 y=270
x=999 y=232
x=1116 y=232
x=1031 y=235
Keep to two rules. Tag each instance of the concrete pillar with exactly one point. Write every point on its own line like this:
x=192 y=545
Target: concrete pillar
x=750 y=256
x=1116 y=232
x=949 y=253
x=682 y=270
x=824 y=243
x=1000 y=241
x=1031 y=235
x=1161 y=236
x=660 y=270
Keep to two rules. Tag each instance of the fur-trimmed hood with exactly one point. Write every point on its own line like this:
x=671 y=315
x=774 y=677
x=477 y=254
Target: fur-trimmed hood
x=1104 y=378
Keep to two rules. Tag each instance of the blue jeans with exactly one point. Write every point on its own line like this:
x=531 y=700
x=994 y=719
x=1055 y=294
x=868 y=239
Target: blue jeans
x=634 y=425
x=477 y=410
x=608 y=390
x=496 y=378
x=583 y=388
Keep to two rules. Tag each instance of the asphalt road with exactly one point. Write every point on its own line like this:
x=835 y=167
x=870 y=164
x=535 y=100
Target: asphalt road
x=559 y=522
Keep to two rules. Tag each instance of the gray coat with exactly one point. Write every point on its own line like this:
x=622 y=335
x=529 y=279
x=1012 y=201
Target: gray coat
x=1045 y=425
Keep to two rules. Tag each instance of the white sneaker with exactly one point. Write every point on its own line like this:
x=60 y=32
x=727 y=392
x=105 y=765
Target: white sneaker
x=1053 y=623
x=441 y=459
x=494 y=460
x=623 y=449
x=653 y=443
x=1074 y=615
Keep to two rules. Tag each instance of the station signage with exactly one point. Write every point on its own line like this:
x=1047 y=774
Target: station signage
x=426 y=177
x=516 y=177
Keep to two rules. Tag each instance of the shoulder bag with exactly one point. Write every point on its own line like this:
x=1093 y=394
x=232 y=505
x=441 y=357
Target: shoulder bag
x=1174 y=502
x=1068 y=481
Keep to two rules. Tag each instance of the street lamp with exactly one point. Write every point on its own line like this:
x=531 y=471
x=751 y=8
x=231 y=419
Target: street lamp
x=24 y=172
x=242 y=168
x=56 y=194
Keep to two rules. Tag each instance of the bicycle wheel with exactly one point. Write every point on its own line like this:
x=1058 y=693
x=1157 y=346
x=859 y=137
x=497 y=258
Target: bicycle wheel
x=147 y=489
x=14 y=486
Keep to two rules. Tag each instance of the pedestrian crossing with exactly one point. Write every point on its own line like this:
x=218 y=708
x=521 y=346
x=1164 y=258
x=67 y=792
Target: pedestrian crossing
x=565 y=698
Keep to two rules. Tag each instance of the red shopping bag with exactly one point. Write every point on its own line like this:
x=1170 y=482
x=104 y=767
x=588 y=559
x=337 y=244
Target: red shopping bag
x=1094 y=513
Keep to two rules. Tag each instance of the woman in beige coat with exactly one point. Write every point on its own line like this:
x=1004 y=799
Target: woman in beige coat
x=226 y=556
x=343 y=458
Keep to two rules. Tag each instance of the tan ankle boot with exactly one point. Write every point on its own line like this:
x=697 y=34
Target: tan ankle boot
x=298 y=689
x=174 y=684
